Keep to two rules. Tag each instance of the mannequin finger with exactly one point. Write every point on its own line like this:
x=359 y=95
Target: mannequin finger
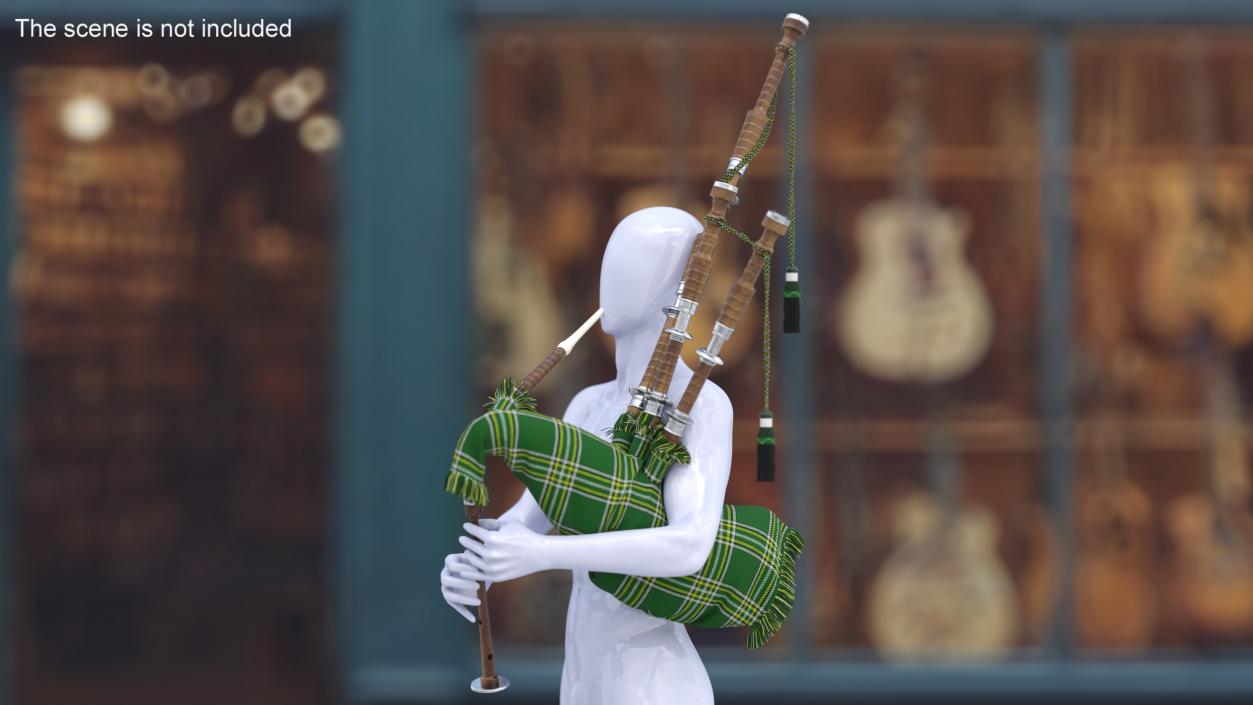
x=454 y=562
x=490 y=524
x=456 y=581
x=475 y=548
x=466 y=571
x=450 y=582
x=477 y=532
x=479 y=577
x=465 y=613
x=479 y=567
x=470 y=567
x=458 y=562
x=459 y=598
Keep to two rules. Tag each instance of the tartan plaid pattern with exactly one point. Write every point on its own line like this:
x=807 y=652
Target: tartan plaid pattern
x=585 y=484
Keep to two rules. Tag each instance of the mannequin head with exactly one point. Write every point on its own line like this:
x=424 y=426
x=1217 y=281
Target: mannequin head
x=642 y=265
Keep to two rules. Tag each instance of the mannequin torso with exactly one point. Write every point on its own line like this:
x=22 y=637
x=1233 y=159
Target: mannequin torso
x=614 y=653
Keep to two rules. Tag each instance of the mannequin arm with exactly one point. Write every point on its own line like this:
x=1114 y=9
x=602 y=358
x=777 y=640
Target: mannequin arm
x=694 y=496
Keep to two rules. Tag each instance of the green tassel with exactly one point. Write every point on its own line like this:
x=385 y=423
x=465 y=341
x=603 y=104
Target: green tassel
x=647 y=435
x=467 y=488
x=641 y=443
x=780 y=604
x=792 y=301
x=646 y=443
x=765 y=447
x=664 y=455
x=624 y=431
x=508 y=397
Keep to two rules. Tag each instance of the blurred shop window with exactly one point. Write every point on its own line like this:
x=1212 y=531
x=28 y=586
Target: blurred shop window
x=939 y=534
x=936 y=542
x=173 y=279
x=580 y=126
x=1163 y=183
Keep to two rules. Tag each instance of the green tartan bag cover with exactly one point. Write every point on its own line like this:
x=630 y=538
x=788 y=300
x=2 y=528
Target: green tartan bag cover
x=585 y=484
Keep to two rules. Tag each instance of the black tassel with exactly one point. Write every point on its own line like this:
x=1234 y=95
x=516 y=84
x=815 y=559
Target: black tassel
x=792 y=301
x=765 y=447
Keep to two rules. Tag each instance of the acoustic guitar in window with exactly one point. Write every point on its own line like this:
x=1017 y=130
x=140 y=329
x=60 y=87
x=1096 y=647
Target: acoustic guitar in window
x=914 y=311
x=943 y=593
x=1198 y=268
x=1115 y=581
x=1212 y=570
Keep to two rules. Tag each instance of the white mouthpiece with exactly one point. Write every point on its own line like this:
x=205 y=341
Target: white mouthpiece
x=569 y=343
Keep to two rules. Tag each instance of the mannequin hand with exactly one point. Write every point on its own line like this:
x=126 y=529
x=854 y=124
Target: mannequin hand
x=459 y=584
x=502 y=551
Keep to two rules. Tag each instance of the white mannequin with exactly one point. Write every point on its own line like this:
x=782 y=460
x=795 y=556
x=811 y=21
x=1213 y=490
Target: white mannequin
x=614 y=653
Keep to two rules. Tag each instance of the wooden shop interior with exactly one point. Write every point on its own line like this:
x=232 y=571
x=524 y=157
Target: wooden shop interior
x=252 y=291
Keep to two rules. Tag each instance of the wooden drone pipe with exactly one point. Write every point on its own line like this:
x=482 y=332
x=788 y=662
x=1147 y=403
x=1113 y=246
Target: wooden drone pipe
x=774 y=226
x=794 y=27
x=695 y=275
x=665 y=357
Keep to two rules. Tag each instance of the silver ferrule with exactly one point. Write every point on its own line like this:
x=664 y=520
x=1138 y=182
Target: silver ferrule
x=682 y=310
x=655 y=403
x=677 y=422
x=648 y=401
x=709 y=358
x=678 y=295
x=734 y=162
x=778 y=218
x=799 y=18
x=637 y=397
x=710 y=353
x=730 y=192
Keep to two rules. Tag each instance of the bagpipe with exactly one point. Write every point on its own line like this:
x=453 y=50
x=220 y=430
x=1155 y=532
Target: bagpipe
x=586 y=483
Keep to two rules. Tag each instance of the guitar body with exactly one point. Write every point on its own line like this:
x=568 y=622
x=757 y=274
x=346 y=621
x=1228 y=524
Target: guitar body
x=1115 y=600
x=1213 y=531
x=1198 y=270
x=943 y=595
x=1213 y=570
x=915 y=311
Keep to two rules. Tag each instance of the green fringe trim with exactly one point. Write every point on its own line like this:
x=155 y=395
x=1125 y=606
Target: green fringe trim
x=467 y=488
x=644 y=440
x=664 y=455
x=623 y=431
x=508 y=397
x=780 y=604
